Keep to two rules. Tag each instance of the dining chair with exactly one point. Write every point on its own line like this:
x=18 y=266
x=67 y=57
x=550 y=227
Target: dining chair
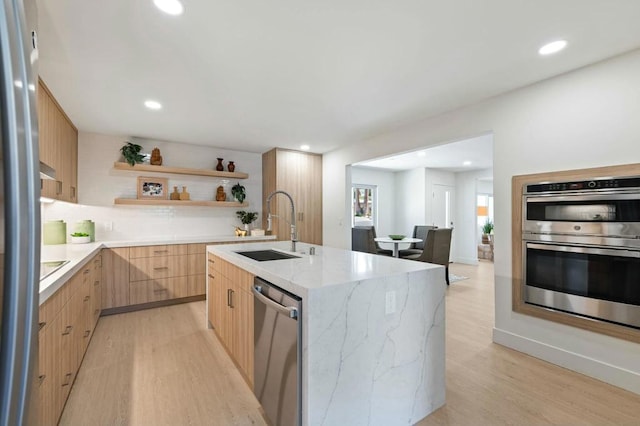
x=419 y=231
x=436 y=249
x=363 y=239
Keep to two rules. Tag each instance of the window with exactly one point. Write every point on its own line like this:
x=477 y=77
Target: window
x=364 y=206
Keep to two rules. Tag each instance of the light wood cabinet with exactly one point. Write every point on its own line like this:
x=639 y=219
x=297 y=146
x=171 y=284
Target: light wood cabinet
x=299 y=174
x=58 y=146
x=66 y=326
x=148 y=274
x=230 y=311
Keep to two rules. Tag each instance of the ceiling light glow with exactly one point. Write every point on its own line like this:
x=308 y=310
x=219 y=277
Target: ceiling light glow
x=553 y=47
x=305 y=147
x=155 y=105
x=466 y=163
x=170 y=7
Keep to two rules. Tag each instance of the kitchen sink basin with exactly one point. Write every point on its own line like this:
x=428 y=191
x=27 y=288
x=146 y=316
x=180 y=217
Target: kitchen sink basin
x=264 y=255
x=48 y=268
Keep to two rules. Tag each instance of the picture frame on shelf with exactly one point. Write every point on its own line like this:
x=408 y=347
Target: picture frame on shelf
x=153 y=188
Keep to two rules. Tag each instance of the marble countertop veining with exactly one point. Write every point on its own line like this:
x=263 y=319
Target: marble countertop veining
x=328 y=267
x=79 y=254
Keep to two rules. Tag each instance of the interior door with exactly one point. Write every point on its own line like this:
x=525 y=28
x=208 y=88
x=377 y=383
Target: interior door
x=442 y=208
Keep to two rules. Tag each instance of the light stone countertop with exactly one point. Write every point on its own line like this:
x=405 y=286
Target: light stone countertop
x=79 y=254
x=328 y=267
x=373 y=341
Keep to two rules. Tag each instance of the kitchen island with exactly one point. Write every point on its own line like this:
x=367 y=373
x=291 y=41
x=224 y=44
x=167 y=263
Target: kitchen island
x=373 y=336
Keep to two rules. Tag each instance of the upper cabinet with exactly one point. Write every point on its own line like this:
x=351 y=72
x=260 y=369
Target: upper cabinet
x=299 y=174
x=58 y=142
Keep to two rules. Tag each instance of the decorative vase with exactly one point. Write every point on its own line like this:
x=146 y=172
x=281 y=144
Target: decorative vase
x=220 y=166
x=246 y=227
x=175 y=195
x=156 y=158
x=485 y=239
x=231 y=166
x=184 y=195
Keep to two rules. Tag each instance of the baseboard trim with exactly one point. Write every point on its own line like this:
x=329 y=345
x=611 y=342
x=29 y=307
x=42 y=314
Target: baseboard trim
x=616 y=376
x=466 y=260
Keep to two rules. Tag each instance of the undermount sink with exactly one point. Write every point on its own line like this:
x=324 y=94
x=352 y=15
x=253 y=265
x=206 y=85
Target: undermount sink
x=264 y=255
x=48 y=268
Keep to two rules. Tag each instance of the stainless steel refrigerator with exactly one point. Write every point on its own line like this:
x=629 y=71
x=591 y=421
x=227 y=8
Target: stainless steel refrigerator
x=19 y=219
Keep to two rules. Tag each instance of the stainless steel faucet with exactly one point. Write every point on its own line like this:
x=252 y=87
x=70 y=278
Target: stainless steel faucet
x=294 y=239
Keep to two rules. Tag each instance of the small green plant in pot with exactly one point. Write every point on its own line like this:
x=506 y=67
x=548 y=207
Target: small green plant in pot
x=487 y=229
x=246 y=217
x=131 y=153
x=239 y=193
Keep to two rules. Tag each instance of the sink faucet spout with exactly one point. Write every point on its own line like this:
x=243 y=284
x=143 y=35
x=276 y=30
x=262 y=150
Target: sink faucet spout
x=294 y=238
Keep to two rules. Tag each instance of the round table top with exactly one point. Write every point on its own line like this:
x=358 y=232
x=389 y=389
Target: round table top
x=404 y=240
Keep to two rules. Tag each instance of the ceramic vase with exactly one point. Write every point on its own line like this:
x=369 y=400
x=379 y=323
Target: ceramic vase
x=220 y=166
x=231 y=166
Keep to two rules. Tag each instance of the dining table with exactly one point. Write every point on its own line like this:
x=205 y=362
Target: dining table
x=396 y=243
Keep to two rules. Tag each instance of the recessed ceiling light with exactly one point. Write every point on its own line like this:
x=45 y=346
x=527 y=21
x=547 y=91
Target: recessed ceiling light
x=466 y=163
x=422 y=154
x=170 y=7
x=152 y=104
x=553 y=47
x=305 y=147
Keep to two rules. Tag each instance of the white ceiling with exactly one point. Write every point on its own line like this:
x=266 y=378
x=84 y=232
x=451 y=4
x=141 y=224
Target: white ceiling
x=252 y=74
x=451 y=157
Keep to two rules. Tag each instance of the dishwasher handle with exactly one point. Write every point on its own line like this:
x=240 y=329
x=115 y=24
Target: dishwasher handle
x=290 y=311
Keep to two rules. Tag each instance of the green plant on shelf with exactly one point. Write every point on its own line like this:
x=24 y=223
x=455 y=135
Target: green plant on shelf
x=238 y=192
x=131 y=153
x=79 y=234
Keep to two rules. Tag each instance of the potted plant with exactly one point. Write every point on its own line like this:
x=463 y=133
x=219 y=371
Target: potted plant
x=80 y=238
x=238 y=193
x=246 y=218
x=487 y=229
x=131 y=153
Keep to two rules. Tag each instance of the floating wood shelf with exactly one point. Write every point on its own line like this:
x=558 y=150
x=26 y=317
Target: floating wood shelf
x=151 y=202
x=178 y=170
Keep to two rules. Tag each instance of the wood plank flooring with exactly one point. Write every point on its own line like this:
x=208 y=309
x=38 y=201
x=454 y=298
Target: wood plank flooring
x=163 y=367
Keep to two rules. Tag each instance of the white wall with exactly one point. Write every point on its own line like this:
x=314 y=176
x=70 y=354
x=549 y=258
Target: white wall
x=409 y=201
x=385 y=203
x=99 y=185
x=586 y=118
x=466 y=220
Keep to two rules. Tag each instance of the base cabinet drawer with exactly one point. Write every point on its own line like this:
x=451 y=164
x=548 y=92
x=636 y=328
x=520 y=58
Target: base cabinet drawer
x=159 y=289
x=149 y=268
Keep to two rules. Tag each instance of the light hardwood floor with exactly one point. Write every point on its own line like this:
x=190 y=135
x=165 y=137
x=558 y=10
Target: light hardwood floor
x=163 y=367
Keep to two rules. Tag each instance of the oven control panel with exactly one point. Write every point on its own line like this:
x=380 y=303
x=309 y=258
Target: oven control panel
x=585 y=185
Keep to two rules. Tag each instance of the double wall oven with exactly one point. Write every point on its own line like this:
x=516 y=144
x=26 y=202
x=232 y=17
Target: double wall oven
x=581 y=248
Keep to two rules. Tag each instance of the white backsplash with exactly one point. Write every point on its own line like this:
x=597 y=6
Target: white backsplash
x=99 y=184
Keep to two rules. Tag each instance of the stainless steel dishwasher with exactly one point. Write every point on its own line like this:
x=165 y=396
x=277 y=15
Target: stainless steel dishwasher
x=278 y=353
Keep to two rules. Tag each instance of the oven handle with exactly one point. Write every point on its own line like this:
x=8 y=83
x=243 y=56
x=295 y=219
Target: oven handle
x=609 y=196
x=585 y=250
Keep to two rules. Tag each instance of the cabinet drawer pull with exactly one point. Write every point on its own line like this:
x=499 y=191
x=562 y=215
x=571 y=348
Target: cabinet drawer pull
x=86 y=298
x=231 y=293
x=160 y=268
x=67 y=330
x=96 y=282
x=41 y=325
x=160 y=290
x=212 y=277
x=211 y=260
x=160 y=251
x=86 y=271
x=41 y=379
x=68 y=381
x=87 y=333
x=73 y=192
x=58 y=187
x=228 y=297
